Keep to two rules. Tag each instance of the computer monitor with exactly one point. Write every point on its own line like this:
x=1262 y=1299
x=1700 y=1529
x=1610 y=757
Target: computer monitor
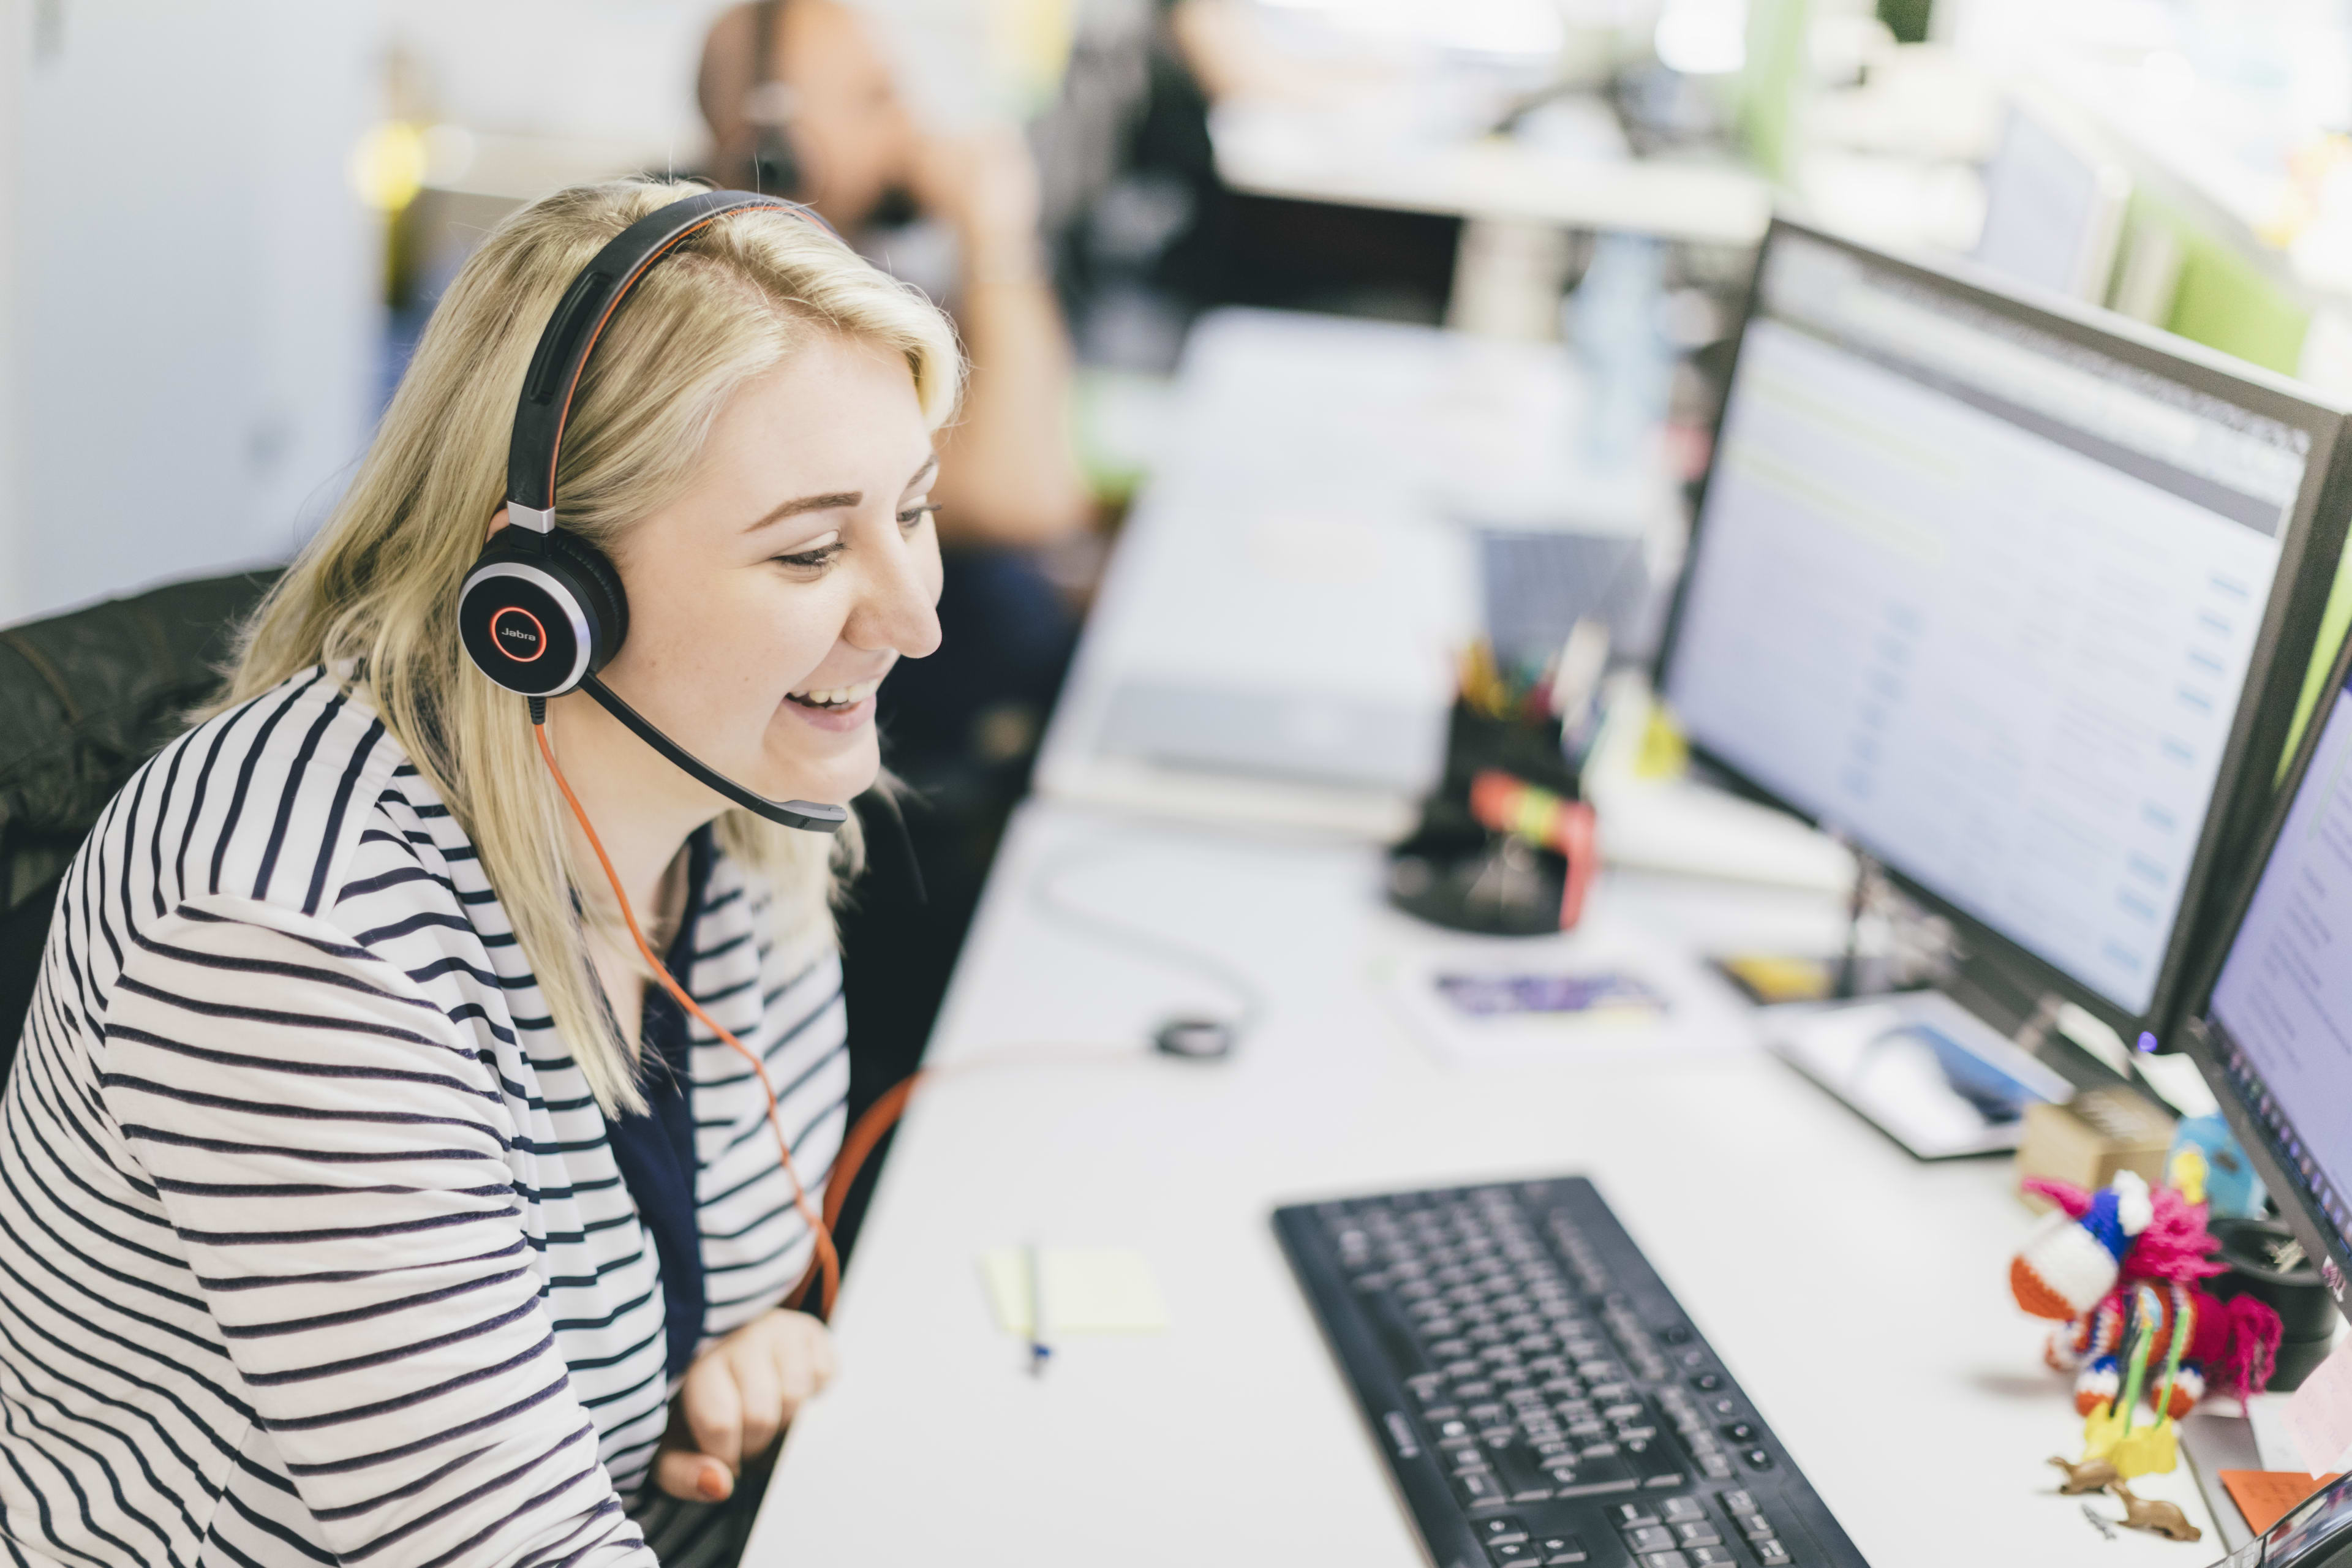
x=2273 y=1028
x=2053 y=205
x=2000 y=592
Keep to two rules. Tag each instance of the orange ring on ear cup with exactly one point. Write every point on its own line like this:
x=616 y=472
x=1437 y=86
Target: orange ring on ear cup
x=538 y=628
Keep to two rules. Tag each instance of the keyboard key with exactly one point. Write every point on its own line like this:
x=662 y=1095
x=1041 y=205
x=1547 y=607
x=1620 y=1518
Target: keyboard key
x=1698 y=1532
x=1772 y=1554
x=1682 y=1509
x=1740 y=1431
x=1633 y=1515
x=1663 y=1560
x=1561 y=1551
x=1512 y=1553
x=1752 y=1525
x=1502 y=1526
x=1654 y=1464
x=1649 y=1538
x=1758 y=1458
x=1479 y=1488
x=1713 y=1557
x=1736 y=1503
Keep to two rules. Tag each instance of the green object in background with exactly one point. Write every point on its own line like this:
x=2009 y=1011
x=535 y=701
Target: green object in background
x=1906 y=19
x=1768 y=82
x=2219 y=296
x=2226 y=302
x=2333 y=623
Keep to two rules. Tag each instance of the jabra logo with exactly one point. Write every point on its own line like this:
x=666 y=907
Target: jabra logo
x=519 y=633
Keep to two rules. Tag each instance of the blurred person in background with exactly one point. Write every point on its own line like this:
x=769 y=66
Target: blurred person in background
x=801 y=101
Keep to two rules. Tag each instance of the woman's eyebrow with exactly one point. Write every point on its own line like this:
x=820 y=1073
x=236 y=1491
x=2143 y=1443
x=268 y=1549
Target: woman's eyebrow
x=826 y=502
x=923 y=470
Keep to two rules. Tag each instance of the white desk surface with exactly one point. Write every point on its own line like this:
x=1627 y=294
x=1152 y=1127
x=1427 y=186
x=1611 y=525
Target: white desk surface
x=1859 y=1297
x=1277 y=151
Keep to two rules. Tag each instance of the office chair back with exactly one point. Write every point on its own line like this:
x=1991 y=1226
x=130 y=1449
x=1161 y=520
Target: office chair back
x=85 y=698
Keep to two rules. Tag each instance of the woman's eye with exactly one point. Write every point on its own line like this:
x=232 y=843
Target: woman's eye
x=915 y=514
x=812 y=560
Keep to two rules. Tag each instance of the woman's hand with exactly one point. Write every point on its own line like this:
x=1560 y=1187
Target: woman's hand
x=737 y=1396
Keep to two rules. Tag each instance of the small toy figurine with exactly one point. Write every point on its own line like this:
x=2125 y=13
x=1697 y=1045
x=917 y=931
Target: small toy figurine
x=2093 y=1475
x=2084 y=1268
x=2155 y=1515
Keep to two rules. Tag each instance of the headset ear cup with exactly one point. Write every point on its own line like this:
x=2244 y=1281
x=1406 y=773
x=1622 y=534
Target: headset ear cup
x=539 y=614
x=599 y=583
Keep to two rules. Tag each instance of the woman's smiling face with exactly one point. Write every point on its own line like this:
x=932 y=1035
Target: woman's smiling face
x=769 y=600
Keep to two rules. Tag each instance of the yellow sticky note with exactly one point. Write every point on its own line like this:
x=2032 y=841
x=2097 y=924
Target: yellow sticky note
x=1087 y=1290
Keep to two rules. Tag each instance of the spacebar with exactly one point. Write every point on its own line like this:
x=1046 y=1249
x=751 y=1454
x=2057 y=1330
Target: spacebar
x=1594 y=1477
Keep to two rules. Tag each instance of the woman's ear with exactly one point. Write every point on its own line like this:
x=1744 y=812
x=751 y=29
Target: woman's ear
x=499 y=520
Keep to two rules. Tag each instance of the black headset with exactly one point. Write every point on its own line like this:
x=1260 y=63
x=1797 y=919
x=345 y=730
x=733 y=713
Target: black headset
x=775 y=161
x=542 y=610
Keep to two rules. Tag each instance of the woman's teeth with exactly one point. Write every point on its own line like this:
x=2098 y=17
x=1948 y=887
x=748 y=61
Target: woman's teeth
x=837 y=697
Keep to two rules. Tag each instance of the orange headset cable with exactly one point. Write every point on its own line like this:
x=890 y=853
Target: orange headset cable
x=827 y=1262
x=877 y=1119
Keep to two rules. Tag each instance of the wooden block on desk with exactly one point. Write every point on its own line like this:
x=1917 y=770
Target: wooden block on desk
x=2087 y=1141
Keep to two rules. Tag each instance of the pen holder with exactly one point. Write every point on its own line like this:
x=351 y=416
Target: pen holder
x=1506 y=845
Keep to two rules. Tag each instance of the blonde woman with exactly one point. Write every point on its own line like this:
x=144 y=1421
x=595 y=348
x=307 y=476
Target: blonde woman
x=360 y=1200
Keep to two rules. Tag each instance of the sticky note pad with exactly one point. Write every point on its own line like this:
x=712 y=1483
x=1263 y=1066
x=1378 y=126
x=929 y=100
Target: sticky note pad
x=1087 y=1290
x=2264 y=1496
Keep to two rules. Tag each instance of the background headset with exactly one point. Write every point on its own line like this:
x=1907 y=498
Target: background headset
x=541 y=609
x=775 y=161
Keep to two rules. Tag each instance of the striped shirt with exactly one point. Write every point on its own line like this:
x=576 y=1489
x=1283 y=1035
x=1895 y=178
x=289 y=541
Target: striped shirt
x=313 y=1246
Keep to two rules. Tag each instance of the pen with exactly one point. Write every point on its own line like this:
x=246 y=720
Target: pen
x=1039 y=1351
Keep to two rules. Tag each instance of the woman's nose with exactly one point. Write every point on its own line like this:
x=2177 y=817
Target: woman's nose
x=900 y=607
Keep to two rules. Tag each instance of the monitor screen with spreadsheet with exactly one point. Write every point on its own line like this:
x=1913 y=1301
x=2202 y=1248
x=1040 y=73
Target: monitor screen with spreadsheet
x=1998 y=594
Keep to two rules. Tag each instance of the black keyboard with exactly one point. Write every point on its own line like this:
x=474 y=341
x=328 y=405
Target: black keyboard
x=1538 y=1395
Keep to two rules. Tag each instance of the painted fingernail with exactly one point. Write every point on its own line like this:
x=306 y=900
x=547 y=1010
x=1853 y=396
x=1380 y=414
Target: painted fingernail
x=713 y=1484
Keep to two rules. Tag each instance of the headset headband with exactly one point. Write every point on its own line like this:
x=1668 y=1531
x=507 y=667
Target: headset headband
x=572 y=333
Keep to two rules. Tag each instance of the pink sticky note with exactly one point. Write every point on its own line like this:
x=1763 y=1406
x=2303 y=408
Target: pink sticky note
x=2319 y=1414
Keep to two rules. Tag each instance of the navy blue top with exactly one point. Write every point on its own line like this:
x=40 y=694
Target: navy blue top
x=655 y=1149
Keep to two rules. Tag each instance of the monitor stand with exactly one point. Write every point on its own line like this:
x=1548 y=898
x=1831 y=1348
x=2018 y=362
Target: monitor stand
x=1890 y=945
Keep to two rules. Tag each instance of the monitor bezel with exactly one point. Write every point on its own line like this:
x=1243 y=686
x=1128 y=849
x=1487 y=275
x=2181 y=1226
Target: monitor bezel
x=2295 y=1198
x=2291 y=620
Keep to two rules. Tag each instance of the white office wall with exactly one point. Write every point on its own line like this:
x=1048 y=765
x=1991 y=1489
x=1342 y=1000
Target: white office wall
x=600 y=70
x=15 y=43
x=194 y=308
x=622 y=71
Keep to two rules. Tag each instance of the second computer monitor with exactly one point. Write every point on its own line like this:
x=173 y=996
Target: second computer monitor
x=1993 y=590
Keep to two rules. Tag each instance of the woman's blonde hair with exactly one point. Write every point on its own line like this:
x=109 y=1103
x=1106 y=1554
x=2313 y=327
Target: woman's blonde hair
x=378 y=585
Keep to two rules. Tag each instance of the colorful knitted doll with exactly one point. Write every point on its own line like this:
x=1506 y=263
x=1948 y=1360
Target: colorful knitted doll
x=2081 y=1267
